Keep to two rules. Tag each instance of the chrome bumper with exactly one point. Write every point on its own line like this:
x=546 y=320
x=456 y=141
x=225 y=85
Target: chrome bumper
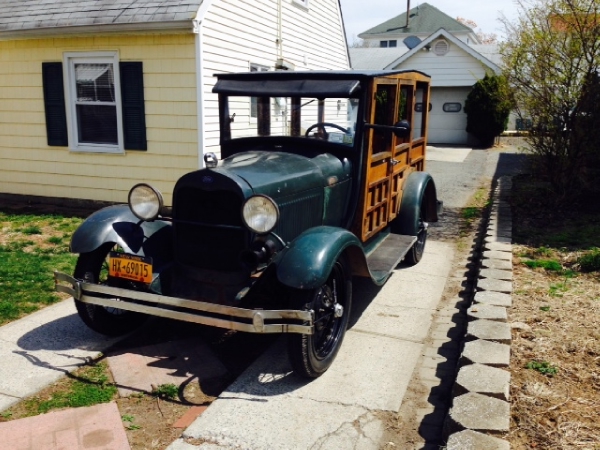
x=220 y=316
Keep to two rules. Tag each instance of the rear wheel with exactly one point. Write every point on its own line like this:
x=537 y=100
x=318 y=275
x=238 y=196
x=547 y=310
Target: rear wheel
x=92 y=267
x=415 y=253
x=312 y=354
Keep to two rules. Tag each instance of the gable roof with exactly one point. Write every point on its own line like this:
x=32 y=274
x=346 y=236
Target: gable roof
x=40 y=17
x=374 y=58
x=445 y=34
x=422 y=19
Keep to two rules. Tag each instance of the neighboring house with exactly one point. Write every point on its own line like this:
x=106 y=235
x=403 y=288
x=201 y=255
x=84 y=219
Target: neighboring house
x=420 y=21
x=96 y=96
x=454 y=59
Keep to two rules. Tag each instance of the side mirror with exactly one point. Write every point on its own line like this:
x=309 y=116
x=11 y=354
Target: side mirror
x=402 y=129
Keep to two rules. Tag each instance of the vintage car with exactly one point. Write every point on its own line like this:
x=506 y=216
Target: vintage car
x=321 y=178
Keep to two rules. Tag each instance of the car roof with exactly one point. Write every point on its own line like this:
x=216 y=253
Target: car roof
x=303 y=83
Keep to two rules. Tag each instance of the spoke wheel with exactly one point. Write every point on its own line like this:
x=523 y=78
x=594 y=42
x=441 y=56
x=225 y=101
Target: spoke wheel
x=311 y=355
x=92 y=267
x=415 y=254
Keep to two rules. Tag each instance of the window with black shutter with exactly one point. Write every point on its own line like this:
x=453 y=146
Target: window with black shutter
x=102 y=109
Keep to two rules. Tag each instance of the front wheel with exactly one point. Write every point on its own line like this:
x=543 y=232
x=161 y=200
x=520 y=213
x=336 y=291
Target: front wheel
x=92 y=267
x=312 y=354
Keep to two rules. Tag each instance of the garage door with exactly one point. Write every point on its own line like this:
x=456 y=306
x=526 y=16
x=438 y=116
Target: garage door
x=447 y=119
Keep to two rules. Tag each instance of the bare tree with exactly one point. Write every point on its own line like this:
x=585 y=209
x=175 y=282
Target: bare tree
x=551 y=58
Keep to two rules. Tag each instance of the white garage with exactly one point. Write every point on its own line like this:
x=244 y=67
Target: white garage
x=447 y=119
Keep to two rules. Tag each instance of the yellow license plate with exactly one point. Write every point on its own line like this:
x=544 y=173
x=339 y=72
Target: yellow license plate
x=130 y=267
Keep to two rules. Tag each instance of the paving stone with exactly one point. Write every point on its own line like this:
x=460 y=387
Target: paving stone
x=499 y=264
x=491 y=284
x=484 y=380
x=494 y=254
x=485 y=352
x=472 y=440
x=498 y=246
x=480 y=413
x=489 y=330
x=493 y=298
x=489 y=239
x=497 y=274
x=501 y=233
x=490 y=312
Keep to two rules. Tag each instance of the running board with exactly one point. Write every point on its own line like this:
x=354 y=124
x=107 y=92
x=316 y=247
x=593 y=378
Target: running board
x=388 y=254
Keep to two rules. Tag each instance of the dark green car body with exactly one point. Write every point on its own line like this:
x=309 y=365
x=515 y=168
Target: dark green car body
x=349 y=199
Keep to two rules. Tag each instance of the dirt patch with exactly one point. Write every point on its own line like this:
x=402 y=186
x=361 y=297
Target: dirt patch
x=555 y=352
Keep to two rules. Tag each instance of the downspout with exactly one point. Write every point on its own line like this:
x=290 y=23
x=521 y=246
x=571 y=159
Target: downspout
x=198 y=30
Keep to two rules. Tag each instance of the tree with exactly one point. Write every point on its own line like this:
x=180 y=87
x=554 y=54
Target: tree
x=484 y=38
x=551 y=58
x=488 y=106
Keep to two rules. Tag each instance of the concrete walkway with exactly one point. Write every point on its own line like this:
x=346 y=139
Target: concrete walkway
x=270 y=408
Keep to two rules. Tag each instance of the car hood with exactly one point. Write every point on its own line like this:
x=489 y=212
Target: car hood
x=279 y=174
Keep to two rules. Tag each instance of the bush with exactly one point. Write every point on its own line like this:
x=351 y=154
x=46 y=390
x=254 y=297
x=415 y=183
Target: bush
x=488 y=106
x=590 y=262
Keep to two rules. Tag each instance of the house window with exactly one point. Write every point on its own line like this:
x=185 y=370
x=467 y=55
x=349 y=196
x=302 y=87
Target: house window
x=419 y=107
x=452 y=107
x=94 y=102
x=390 y=43
x=254 y=100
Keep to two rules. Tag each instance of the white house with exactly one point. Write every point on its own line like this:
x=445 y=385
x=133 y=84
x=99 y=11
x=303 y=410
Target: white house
x=96 y=96
x=454 y=59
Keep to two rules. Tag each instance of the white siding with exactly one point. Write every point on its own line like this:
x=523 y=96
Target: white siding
x=237 y=33
x=455 y=68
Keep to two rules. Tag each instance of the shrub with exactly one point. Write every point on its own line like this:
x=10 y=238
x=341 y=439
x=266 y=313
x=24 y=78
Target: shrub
x=488 y=106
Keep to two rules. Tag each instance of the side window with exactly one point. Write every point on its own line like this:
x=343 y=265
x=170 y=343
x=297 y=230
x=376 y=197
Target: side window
x=94 y=103
x=254 y=100
x=452 y=107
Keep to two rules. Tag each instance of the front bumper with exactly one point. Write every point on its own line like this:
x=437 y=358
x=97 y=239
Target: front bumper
x=221 y=316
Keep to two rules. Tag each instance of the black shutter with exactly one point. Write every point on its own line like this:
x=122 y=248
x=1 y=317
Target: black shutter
x=54 y=104
x=132 y=100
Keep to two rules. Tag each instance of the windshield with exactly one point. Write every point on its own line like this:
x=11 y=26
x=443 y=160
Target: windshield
x=328 y=119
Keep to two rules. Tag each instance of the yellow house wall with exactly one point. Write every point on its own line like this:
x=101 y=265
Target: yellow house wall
x=29 y=166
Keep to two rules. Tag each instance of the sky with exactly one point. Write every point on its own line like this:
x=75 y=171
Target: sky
x=360 y=15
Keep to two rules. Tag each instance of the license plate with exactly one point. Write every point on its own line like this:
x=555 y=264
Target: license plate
x=130 y=267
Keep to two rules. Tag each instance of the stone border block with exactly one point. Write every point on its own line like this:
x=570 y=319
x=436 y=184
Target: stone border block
x=491 y=284
x=484 y=380
x=493 y=298
x=472 y=440
x=489 y=312
x=484 y=352
x=480 y=413
x=489 y=330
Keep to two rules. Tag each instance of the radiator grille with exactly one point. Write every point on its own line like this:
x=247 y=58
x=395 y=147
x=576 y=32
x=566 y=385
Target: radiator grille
x=208 y=229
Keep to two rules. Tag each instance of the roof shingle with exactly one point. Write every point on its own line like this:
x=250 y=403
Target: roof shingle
x=422 y=19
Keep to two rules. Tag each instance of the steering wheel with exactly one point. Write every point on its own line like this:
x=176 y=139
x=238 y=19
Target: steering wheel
x=321 y=126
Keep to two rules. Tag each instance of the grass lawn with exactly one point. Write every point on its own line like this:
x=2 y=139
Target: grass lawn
x=31 y=248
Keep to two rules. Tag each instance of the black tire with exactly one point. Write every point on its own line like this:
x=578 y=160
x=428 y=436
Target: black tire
x=415 y=253
x=92 y=268
x=312 y=354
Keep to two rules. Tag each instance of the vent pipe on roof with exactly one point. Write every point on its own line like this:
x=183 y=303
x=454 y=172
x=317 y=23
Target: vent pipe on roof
x=407 y=12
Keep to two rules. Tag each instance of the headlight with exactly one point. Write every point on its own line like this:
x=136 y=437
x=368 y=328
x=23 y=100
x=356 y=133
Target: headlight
x=145 y=201
x=260 y=214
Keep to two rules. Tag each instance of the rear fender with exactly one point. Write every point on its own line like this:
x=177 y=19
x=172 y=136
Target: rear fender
x=308 y=260
x=418 y=188
x=117 y=224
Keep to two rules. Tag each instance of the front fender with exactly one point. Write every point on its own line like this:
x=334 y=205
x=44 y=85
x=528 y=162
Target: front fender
x=419 y=189
x=118 y=224
x=308 y=260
